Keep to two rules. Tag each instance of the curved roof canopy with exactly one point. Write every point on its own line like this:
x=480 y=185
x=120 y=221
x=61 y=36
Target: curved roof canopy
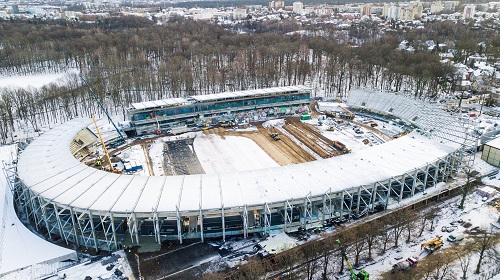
x=47 y=167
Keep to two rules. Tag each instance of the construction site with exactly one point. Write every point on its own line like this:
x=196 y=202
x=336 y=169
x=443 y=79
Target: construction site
x=286 y=141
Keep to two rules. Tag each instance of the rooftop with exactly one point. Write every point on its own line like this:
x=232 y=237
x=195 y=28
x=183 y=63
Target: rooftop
x=49 y=169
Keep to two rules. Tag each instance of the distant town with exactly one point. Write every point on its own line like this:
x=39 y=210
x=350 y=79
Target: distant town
x=412 y=14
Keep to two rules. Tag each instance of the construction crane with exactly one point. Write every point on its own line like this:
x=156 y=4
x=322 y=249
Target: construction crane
x=362 y=274
x=104 y=147
x=102 y=107
x=432 y=245
x=348 y=114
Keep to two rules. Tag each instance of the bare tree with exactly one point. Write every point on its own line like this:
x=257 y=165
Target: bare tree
x=372 y=231
x=358 y=244
x=437 y=267
x=464 y=256
x=469 y=184
x=484 y=242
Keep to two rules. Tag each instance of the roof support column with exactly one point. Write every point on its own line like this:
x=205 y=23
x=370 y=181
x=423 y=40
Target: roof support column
x=201 y=211
x=267 y=219
x=91 y=220
x=112 y=220
x=341 y=205
x=223 y=224
x=307 y=210
x=77 y=241
x=358 y=201
x=179 y=227
x=389 y=185
x=245 y=222
x=61 y=229
x=288 y=216
x=156 y=226
x=200 y=217
x=45 y=218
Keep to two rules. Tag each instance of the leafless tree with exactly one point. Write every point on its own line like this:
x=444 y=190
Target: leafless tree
x=464 y=256
x=485 y=241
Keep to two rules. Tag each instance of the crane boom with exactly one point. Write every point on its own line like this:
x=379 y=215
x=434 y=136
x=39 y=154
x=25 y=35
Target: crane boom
x=362 y=275
x=103 y=146
x=347 y=111
x=344 y=255
x=102 y=107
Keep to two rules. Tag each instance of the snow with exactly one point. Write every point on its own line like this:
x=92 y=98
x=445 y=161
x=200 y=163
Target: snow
x=47 y=165
x=135 y=155
x=35 y=80
x=97 y=269
x=233 y=153
x=21 y=249
x=475 y=212
x=278 y=242
x=156 y=156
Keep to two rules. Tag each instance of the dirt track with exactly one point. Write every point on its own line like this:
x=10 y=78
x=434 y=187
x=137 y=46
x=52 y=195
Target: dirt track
x=283 y=152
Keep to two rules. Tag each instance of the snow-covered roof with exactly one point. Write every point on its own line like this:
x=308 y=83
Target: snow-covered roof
x=49 y=169
x=238 y=94
x=159 y=103
x=495 y=143
x=217 y=96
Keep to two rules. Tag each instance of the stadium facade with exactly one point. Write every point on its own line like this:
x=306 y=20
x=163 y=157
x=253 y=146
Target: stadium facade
x=148 y=117
x=79 y=204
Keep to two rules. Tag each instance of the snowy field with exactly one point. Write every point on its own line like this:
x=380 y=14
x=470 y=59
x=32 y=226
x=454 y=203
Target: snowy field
x=231 y=153
x=35 y=81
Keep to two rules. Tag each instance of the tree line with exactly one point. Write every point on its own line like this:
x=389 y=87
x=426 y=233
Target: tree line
x=321 y=259
x=130 y=59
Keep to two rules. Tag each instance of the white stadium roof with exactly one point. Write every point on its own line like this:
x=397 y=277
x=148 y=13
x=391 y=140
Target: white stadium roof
x=216 y=96
x=48 y=168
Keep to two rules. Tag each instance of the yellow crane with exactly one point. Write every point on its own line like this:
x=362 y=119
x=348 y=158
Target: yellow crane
x=349 y=115
x=432 y=245
x=104 y=147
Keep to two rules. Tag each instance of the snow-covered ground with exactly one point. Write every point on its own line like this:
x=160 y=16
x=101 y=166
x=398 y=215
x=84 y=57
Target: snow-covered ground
x=111 y=267
x=476 y=212
x=35 y=80
x=136 y=156
x=231 y=153
x=156 y=156
x=23 y=254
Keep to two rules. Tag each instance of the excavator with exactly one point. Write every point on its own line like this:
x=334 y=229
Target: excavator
x=348 y=115
x=362 y=274
x=98 y=161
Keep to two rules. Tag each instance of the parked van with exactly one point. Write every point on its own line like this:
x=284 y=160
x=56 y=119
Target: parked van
x=456 y=237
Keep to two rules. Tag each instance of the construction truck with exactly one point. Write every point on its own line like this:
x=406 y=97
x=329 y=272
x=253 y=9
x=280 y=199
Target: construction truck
x=362 y=274
x=404 y=265
x=340 y=146
x=331 y=128
x=275 y=136
x=432 y=245
x=348 y=115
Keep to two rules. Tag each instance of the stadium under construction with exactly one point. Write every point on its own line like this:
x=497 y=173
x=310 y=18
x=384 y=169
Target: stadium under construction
x=67 y=199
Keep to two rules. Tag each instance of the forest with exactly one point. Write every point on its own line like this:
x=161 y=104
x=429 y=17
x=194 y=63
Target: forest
x=131 y=59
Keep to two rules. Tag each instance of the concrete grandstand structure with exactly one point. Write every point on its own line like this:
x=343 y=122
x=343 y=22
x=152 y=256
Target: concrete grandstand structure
x=70 y=200
x=148 y=117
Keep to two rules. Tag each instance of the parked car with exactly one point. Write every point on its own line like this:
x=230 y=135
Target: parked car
x=455 y=237
x=447 y=228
